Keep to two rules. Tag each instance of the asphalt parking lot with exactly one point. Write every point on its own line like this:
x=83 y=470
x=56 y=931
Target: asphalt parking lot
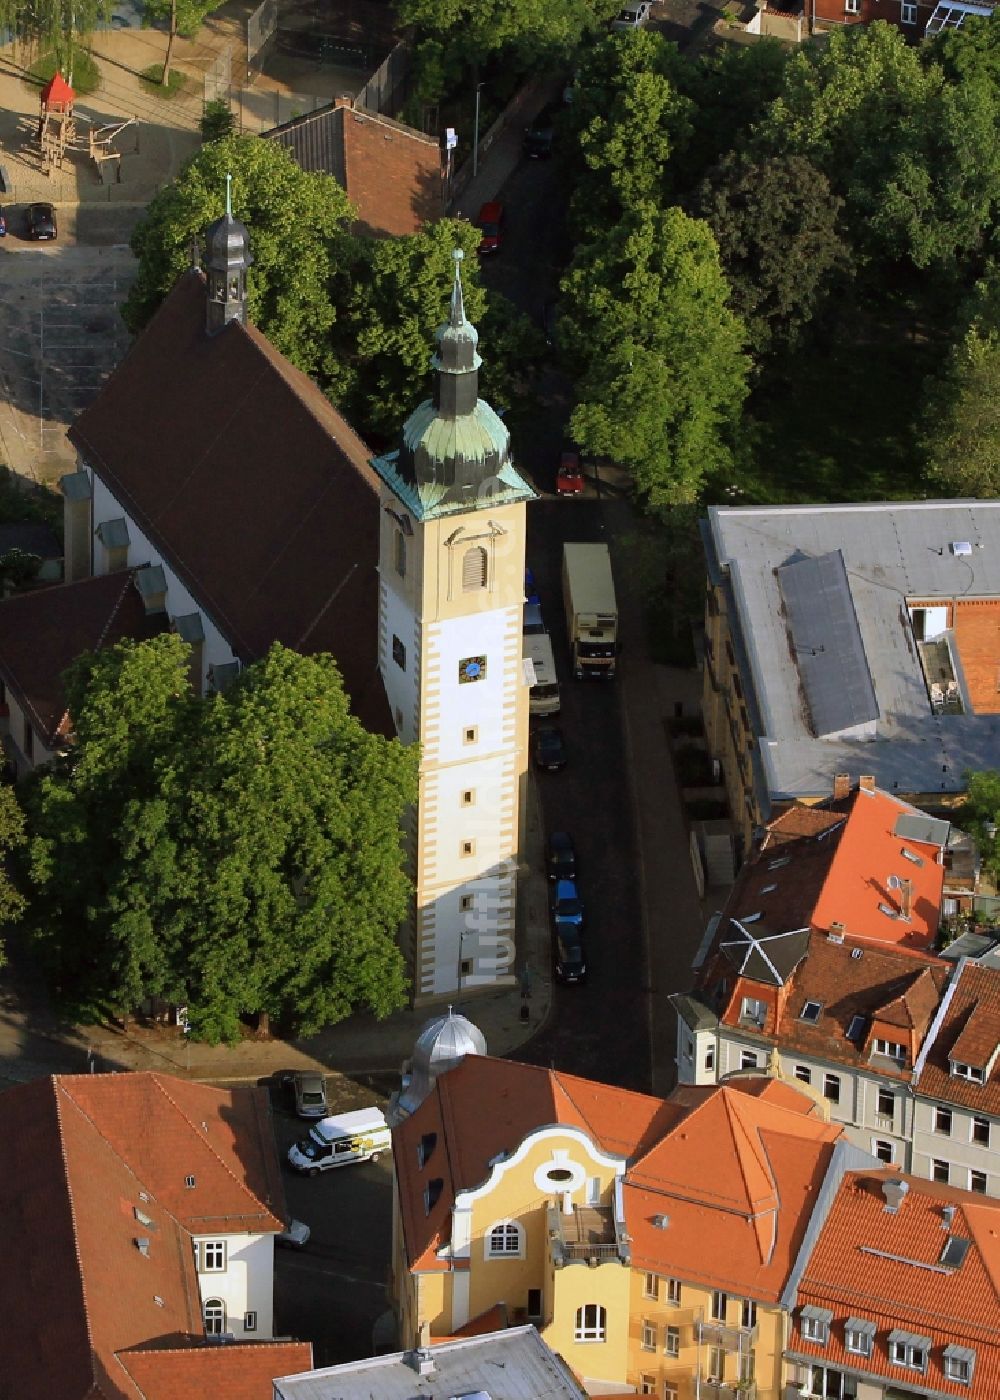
x=332 y=1291
x=60 y=337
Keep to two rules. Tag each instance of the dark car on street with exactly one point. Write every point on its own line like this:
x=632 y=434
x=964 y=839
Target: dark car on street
x=550 y=751
x=41 y=221
x=540 y=133
x=570 y=961
x=561 y=856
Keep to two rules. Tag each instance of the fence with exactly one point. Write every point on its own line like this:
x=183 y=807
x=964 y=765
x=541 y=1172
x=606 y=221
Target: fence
x=219 y=77
x=261 y=24
x=385 y=90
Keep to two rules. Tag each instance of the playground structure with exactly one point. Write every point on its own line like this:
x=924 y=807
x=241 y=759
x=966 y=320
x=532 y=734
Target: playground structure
x=58 y=133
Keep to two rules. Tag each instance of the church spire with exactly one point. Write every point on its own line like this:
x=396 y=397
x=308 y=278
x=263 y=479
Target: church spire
x=228 y=249
x=456 y=364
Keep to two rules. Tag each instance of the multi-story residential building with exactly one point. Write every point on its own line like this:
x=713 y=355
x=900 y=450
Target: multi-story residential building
x=896 y=1294
x=648 y=1240
x=851 y=639
x=822 y=965
x=137 y=1221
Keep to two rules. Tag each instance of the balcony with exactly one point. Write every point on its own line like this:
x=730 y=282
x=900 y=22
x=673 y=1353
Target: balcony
x=725 y=1390
x=587 y=1234
x=718 y=1334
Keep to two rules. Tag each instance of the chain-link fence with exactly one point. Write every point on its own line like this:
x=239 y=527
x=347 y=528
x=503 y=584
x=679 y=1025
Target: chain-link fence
x=219 y=77
x=260 y=26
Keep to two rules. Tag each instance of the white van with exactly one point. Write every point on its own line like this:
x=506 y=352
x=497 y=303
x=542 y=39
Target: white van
x=346 y=1137
x=540 y=672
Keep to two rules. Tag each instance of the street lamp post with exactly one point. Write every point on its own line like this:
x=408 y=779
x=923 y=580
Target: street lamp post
x=475 y=144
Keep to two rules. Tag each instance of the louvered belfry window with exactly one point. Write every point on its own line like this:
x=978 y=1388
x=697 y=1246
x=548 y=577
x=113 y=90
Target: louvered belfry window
x=474 y=566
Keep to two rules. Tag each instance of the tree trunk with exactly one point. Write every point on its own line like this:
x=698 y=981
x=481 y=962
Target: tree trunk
x=170 y=43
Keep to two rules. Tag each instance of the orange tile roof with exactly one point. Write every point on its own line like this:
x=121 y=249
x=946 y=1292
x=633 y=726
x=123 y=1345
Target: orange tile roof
x=244 y=1372
x=734 y=1167
x=976 y=624
x=736 y=1179
x=886 y=1269
x=857 y=884
x=970 y=1028
x=69 y=1193
x=492 y=1320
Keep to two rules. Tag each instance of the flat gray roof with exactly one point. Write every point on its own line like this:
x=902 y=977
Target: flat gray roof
x=893 y=552
x=514 y=1364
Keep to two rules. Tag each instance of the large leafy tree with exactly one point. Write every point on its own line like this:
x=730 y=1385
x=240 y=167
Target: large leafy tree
x=729 y=88
x=53 y=24
x=776 y=224
x=980 y=815
x=657 y=352
x=297 y=223
x=961 y=435
x=913 y=154
x=12 y=838
x=238 y=854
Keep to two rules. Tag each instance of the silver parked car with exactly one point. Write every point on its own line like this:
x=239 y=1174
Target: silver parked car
x=309 y=1091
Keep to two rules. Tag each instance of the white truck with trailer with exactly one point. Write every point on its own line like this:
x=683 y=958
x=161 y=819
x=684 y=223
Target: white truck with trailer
x=591 y=610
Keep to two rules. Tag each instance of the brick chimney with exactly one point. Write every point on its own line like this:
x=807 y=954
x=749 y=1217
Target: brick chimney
x=866 y=783
x=841 y=785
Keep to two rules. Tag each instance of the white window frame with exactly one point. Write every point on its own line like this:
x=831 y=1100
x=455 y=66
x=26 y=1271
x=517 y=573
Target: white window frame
x=973 y=1073
x=852 y=1337
x=878 y=1143
x=980 y=1118
x=710 y=1057
x=940 y=1162
x=647 y=1336
x=908 y=12
x=211 y=1256
x=720 y=1305
x=803 y=1074
x=889 y=1049
x=651 y=1286
x=591 y=1323
x=831 y=1081
x=213 y=1314
x=505 y=1240
x=975 y=1171
x=815 y=1329
x=748 y=1314
x=852 y=7
x=674 y=1292
x=911 y=1358
x=943 y=1115
x=647 y=1384
x=250 y=1321
x=948 y=1364
x=749 y=1060
x=672 y=1340
x=670 y=1390
x=755 y=1010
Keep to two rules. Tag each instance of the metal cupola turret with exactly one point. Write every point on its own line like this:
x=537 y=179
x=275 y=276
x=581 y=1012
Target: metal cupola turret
x=228 y=257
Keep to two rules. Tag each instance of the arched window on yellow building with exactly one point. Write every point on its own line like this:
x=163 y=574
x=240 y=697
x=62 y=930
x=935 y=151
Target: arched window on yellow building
x=591 y=1323
x=505 y=1240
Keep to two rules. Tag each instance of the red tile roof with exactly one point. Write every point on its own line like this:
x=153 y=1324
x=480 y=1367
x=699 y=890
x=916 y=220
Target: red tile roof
x=76 y=1164
x=886 y=1269
x=391 y=172
x=43 y=631
x=226 y=1373
x=256 y=491
x=969 y=1032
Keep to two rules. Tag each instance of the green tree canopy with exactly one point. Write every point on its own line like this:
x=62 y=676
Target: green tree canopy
x=53 y=24
x=980 y=816
x=12 y=838
x=775 y=222
x=961 y=435
x=729 y=89
x=657 y=352
x=914 y=156
x=238 y=854
x=297 y=223
x=182 y=16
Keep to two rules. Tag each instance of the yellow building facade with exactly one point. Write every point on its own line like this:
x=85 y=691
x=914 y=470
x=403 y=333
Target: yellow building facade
x=562 y=1231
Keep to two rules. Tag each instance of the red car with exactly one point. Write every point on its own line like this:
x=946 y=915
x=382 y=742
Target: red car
x=489 y=221
x=569 y=477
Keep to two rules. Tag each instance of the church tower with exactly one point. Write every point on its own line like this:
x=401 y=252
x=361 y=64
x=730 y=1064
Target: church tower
x=228 y=257
x=451 y=600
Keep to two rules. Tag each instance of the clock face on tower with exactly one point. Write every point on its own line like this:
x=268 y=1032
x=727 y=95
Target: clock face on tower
x=473 y=668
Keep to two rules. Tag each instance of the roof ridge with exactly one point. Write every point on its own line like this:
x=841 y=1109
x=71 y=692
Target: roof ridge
x=752 y=1133
x=56 y=1087
x=102 y=636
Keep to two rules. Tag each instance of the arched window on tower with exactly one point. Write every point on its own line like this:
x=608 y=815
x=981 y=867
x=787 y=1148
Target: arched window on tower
x=474 y=569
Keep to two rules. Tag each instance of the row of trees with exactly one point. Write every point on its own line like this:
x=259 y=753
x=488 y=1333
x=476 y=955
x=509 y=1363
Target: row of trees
x=356 y=314
x=235 y=855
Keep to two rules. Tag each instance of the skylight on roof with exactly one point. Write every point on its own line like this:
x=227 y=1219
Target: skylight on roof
x=888 y=911
x=777 y=864
x=749 y=918
x=768 y=889
x=955 y=1249
x=810 y=1012
x=911 y=856
x=855 y=1028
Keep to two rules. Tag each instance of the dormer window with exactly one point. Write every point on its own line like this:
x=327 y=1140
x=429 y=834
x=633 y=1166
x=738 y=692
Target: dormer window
x=975 y=1073
x=891 y=1049
x=810 y=1012
x=754 y=1011
x=958 y=1363
x=815 y=1324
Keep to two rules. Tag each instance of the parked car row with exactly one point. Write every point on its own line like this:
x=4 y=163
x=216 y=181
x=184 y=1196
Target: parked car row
x=40 y=222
